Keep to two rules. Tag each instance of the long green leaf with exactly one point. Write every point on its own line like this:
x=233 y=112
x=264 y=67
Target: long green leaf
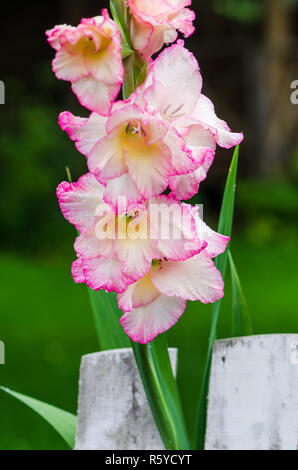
x=224 y=227
x=63 y=422
x=121 y=17
x=129 y=84
x=106 y=316
x=162 y=393
x=241 y=319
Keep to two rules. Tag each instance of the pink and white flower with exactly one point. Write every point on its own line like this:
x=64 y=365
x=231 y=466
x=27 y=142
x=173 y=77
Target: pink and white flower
x=165 y=135
x=123 y=243
x=155 y=303
x=89 y=56
x=131 y=152
x=157 y=22
x=169 y=92
x=156 y=255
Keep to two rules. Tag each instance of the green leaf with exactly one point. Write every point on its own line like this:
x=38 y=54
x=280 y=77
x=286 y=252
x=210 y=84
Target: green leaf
x=121 y=17
x=106 y=316
x=224 y=227
x=63 y=422
x=129 y=85
x=141 y=73
x=162 y=393
x=126 y=50
x=241 y=319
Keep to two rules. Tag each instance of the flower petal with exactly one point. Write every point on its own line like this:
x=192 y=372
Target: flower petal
x=77 y=271
x=141 y=34
x=186 y=186
x=84 y=131
x=177 y=83
x=149 y=167
x=181 y=156
x=201 y=142
x=87 y=245
x=194 y=279
x=105 y=273
x=107 y=67
x=173 y=224
x=139 y=294
x=216 y=242
x=122 y=191
x=143 y=324
x=95 y=95
x=69 y=65
x=205 y=113
x=105 y=160
x=78 y=201
x=136 y=255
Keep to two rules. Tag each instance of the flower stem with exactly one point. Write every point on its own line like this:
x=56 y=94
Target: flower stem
x=153 y=359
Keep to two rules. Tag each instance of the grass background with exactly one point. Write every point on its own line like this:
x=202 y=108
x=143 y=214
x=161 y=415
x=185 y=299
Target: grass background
x=47 y=324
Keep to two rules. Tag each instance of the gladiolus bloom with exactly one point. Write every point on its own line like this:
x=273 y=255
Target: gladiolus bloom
x=89 y=56
x=157 y=22
x=169 y=92
x=133 y=252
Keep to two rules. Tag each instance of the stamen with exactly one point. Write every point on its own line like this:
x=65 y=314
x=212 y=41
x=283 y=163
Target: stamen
x=136 y=129
x=177 y=115
x=128 y=128
x=167 y=109
x=177 y=109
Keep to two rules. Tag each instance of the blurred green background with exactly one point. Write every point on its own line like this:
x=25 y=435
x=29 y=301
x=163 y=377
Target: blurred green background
x=248 y=56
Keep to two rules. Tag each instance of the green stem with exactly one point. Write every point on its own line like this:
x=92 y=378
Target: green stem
x=162 y=393
x=153 y=358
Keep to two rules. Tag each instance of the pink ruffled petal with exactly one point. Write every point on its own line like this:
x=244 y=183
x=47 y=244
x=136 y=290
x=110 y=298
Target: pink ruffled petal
x=87 y=245
x=205 y=113
x=136 y=255
x=149 y=168
x=105 y=160
x=89 y=56
x=139 y=294
x=143 y=324
x=141 y=34
x=108 y=69
x=155 y=22
x=69 y=66
x=201 y=142
x=193 y=279
x=85 y=132
x=94 y=95
x=216 y=242
x=105 y=273
x=175 y=227
x=186 y=186
x=122 y=191
x=78 y=201
x=181 y=155
x=77 y=271
x=177 y=83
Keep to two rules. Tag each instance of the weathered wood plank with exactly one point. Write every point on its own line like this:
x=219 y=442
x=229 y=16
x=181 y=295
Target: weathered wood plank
x=113 y=413
x=253 y=399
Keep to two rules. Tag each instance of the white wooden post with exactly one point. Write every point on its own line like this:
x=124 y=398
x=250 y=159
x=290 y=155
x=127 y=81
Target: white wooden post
x=113 y=413
x=253 y=394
